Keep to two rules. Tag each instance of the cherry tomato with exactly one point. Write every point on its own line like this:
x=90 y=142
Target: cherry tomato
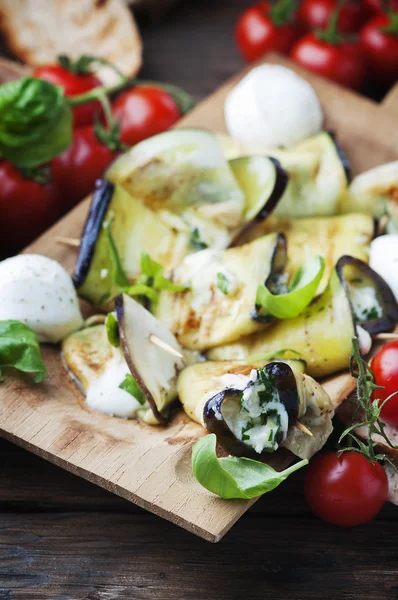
x=345 y=491
x=27 y=208
x=144 y=111
x=257 y=33
x=385 y=370
x=73 y=84
x=342 y=62
x=315 y=14
x=381 y=49
x=77 y=169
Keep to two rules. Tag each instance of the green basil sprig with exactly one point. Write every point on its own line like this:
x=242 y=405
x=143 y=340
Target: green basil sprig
x=19 y=348
x=35 y=122
x=234 y=477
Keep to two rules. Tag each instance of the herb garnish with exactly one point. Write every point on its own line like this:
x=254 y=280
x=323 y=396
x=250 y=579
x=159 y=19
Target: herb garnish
x=222 y=283
x=130 y=385
x=195 y=240
x=370 y=409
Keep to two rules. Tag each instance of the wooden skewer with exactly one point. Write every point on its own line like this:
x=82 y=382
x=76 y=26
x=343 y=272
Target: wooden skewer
x=158 y=342
x=391 y=337
x=67 y=241
x=95 y=320
x=303 y=428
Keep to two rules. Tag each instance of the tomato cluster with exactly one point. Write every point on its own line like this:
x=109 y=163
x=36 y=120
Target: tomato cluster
x=31 y=202
x=342 y=42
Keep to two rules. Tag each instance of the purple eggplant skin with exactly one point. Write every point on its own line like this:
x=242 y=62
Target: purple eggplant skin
x=342 y=156
x=278 y=265
x=101 y=199
x=281 y=181
x=119 y=307
x=286 y=385
x=384 y=294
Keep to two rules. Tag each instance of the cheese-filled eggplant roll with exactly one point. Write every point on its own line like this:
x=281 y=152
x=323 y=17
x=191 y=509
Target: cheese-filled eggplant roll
x=254 y=411
x=135 y=376
x=329 y=237
x=219 y=304
x=356 y=302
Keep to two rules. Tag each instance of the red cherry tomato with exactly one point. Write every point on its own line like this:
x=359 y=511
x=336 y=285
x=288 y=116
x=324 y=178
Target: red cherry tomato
x=385 y=370
x=380 y=49
x=144 y=111
x=27 y=208
x=315 y=14
x=77 y=169
x=341 y=62
x=73 y=84
x=256 y=32
x=345 y=491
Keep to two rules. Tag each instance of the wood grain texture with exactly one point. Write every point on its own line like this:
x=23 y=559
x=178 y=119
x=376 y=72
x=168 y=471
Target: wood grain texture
x=151 y=466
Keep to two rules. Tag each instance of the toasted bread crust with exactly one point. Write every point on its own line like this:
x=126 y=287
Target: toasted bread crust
x=37 y=31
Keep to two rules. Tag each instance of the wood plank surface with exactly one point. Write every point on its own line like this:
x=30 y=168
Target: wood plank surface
x=150 y=466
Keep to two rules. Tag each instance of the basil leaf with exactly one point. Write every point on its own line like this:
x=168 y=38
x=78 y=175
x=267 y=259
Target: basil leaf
x=222 y=283
x=118 y=274
x=112 y=330
x=303 y=288
x=19 y=348
x=141 y=289
x=154 y=274
x=234 y=477
x=35 y=122
x=130 y=385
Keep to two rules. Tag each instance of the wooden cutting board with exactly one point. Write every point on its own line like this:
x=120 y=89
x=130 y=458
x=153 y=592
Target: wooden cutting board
x=150 y=466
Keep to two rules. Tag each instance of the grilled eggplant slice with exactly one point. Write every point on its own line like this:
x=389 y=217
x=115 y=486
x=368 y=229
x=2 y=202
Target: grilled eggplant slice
x=357 y=301
x=329 y=237
x=375 y=192
x=252 y=410
x=100 y=368
x=263 y=181
x=318 y=175
x=183 y=176
x=218 y=306
x=135 y=228
x=153 y=367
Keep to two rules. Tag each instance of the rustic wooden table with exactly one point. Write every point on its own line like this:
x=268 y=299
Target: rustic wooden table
x=63 y=538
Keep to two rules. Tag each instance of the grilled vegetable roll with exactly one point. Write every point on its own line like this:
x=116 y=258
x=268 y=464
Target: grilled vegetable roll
x=329 y=237
x=253 y=411
x=357 y=301
x=133 y=377
x=183 y=177
x=318 y=175
x=219 y=305
x=375 y=192
x=135 y=228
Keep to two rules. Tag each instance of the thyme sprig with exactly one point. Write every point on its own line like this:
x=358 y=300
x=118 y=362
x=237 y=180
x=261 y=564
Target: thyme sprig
x=370 y=409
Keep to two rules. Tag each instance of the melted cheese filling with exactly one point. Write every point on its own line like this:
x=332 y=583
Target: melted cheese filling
x=261 y=423
x=105 y=395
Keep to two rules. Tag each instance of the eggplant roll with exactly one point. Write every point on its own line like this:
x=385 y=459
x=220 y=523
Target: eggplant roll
x=183 y=177
x=318 y=175
x=100 y=368
x=135 y=228
x=356 y=302
x=253 y=410
x=330 y=237
x=375 y=192
x=218 y=306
